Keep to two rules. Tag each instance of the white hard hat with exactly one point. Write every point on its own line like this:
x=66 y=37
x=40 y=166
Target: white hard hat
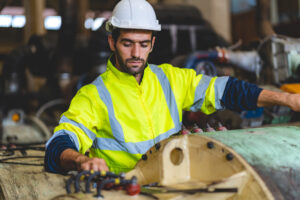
x=133 y=14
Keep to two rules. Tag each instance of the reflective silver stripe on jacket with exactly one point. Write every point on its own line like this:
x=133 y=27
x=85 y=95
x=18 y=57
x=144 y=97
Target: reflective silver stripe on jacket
x=220 y=85
x=114 y=124
x=202 y=86
x=72 y=136
x=200 y=93
x=169 y=95
x=133 y=148
x=91 y=135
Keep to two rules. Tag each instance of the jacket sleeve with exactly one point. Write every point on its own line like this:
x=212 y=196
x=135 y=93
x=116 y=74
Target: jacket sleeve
x=77 y=127
x=202 y=93
x=240 y=95
x=208 y=94
x=53 y=152
x=196 y=92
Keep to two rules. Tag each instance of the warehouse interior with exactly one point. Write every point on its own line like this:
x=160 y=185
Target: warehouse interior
x=51 y=49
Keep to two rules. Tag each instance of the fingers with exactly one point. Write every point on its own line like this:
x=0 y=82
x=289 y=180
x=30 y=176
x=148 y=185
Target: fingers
x=95 y=164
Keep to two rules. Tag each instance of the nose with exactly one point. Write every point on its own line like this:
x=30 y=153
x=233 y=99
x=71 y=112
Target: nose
x=135 y=51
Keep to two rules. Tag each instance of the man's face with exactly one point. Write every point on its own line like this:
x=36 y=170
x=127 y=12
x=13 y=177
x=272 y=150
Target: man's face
x=132 y=49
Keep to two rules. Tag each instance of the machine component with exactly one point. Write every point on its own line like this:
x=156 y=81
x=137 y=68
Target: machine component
x=252 y=118
x=281 y=57
x=104 y=180
x=276 y=60
x=277 y=115
x=18 y=128
x=209 y=128
x=246 y=60
x=156 y=190
x=259 y=169
x=185 y=167
x=196 y=129
x=202 y=62
x=221 y=127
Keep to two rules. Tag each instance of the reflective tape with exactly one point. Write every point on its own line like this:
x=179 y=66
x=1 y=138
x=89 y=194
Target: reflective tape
x=170 y=98
x=200 y=93
x=220 y=84
x=89 y=133
x=72 y=136
x=106 y=98
x=133 y=148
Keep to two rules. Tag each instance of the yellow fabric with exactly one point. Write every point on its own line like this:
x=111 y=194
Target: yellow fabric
x=208 y=106
x=141 y=110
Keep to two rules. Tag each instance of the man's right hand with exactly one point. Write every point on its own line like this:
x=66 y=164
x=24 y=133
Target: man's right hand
x=85 y=163
x=73 y=160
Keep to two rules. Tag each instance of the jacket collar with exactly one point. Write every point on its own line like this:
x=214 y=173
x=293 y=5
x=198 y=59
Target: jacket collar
x=122 y=75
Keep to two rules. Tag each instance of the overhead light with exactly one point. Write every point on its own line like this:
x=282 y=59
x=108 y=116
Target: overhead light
x=98 y=23
x=18 y=21
x=88 y=24
x=5 y=21
x=52 y=22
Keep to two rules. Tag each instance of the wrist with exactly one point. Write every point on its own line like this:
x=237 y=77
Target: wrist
x=71 y=159
x=286 y=99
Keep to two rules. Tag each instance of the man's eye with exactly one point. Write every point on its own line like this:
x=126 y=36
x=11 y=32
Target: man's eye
x=127 y=44
x=144 y=45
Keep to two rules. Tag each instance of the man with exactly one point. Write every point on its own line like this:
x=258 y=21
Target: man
x=135 y=105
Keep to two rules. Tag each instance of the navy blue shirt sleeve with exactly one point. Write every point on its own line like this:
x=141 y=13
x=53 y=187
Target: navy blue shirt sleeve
x=240 y=95
x=53 y=152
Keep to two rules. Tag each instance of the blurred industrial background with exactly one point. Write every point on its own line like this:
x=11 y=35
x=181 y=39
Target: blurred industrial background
x=49 y=49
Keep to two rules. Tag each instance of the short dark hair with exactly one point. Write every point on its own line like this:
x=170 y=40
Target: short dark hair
x=116 y=33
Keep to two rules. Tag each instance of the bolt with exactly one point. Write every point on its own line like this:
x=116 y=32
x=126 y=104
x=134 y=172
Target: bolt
x=144 y=157
x=157 y=146
x=210 y=145
x=229 y=156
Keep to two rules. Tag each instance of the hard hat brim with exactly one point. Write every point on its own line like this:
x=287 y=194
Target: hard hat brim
x=109 y=27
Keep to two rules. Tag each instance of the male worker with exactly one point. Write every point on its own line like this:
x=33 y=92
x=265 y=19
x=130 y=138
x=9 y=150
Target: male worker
x=134 y=105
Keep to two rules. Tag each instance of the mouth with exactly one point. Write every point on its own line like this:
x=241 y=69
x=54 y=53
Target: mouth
x=135 y=62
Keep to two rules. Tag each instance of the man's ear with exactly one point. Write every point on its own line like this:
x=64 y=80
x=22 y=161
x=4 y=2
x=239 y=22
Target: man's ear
x=111 y=43
x=152 y=43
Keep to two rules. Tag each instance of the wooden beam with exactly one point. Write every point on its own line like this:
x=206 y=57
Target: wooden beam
x=34 y=18
x=83 y=6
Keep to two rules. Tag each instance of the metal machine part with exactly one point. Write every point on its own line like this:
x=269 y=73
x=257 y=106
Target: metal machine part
x=247 y=60
x=18 y=128
x=262 y=163
x=203 y=61
x=281 y=57
x=242 y=164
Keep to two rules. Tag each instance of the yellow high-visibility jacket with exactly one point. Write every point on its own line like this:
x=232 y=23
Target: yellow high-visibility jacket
x=119 y=119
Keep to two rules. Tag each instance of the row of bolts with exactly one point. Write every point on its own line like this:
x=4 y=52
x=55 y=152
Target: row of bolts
x=197 y=129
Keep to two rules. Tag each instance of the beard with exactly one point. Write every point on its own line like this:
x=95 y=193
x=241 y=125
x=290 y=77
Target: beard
x=133 y=70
